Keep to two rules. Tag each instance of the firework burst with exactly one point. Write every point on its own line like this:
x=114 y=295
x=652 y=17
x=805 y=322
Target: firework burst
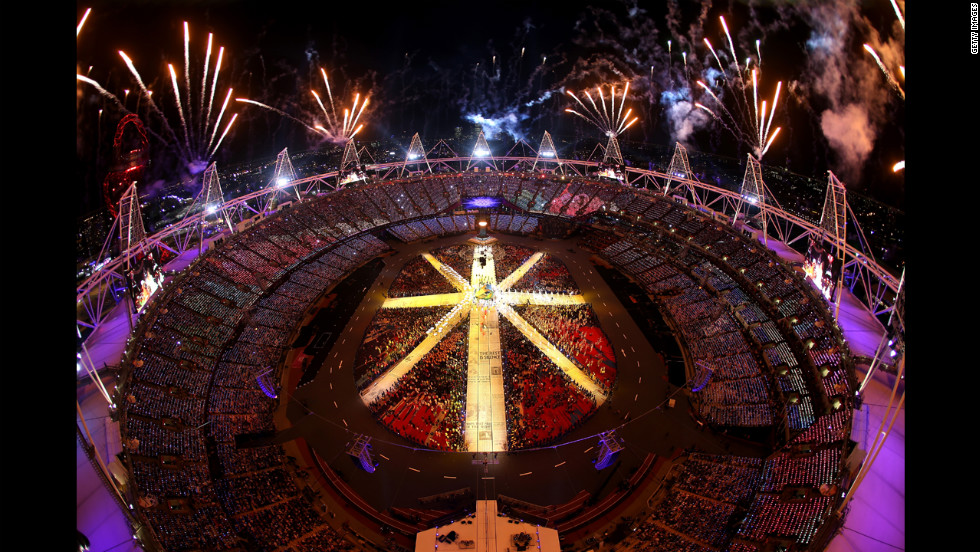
x=610 y=120
x=198 y=140
x=749 y=122
x=335 y=127
x=340 y=128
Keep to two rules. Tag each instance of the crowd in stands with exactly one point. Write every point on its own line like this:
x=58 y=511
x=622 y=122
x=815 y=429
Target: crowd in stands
x=203 y=340
x=810 y=469
x=731 y=479
x=653 y=537
x=702 y=520
x=323 y=539
x=770 y=515
x=201 y=345
x=724 y=297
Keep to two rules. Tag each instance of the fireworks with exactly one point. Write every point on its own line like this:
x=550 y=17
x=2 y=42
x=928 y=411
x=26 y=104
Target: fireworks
x=78 y=31
x=197 y=145
x=888 y=76
x=336 y=128
x=750 y=122
x=611 y=121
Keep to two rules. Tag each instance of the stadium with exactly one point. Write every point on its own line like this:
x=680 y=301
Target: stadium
x=339 y=362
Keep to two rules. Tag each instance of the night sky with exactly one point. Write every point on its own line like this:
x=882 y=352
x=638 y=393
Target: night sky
x=429 y=67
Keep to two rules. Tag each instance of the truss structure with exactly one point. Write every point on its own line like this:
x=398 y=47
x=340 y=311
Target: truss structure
x=679 y=170
x=283 y=175
x=360 y=450
x=833 y=225
x=210 y=200
x=898 y=314
x=609 y=448
x=416 y=156
x=523 y=153
x=893 y=341
x=132 y=234
x=880 y=291
x=547 y=154
x=481 y=151
x=613 y=156
x=350 y=159
x=350 y=166
x=753 y=193
x=442 y=151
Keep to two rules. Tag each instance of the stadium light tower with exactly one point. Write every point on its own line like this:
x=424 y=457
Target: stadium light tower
x=753 y=192
x=547 y=154
x=415 y=157
x=282 y=176
x=680 y=169
x=481 y=151
x=210 y=200
x=613 y=156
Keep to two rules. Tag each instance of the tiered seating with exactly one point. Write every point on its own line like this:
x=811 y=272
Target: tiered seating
x=160 y=482
x=547 y=191
x=438 y=194
x=659 y=209
x=827 y=429
x=279 y=523
x=380 y=196
x=704 y=521
x=639 y=206
x=729 y=479
x=156 y=369
x=403 y=233
x=205 y=527
x=236 y=460
x=768 y=515
x=517 y=224
x=652 y=537
x=502 y=223
x=530 y=224
x=563 y=198
x=323 y=538
x=254 y=490
x=812 y=470
x=155 y=440
x=155 y=403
